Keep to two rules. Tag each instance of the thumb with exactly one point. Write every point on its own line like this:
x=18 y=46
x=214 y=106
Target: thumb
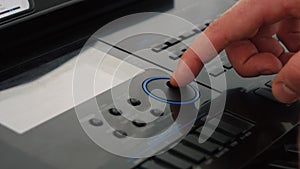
x=286 y=86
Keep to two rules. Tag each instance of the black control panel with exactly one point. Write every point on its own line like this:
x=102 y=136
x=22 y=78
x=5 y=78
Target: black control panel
x=251 y=126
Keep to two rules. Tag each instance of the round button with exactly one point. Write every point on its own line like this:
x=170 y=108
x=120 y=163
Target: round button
x=156 y=112
x=115 y=112
x=139 y=123
x=170 y=86
x=159 y=88
x=134 y=102
x=96 y=122
x=120 y=134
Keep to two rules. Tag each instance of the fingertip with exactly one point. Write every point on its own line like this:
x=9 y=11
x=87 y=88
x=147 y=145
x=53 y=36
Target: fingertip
x=283 y=93
x=173 y=81
x=182 y=75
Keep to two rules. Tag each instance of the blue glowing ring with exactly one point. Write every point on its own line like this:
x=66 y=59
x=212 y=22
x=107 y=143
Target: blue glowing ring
x=147 y=81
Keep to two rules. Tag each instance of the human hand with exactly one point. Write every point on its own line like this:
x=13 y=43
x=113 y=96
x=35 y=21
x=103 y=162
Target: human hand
x=246 y=32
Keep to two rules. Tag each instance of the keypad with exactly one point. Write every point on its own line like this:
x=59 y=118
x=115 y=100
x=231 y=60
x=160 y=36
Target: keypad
x=230 y=132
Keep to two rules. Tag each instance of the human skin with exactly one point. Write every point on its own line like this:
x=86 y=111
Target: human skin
x=246 y=32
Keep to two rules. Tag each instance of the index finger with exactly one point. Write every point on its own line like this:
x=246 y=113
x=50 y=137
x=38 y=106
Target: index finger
x=242 y=21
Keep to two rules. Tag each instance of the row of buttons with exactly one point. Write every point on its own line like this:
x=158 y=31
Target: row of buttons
x=229 y=133
x=116 y=112
x=176 y=54
x=154 y=112
x=174 y=41
x=97 y=123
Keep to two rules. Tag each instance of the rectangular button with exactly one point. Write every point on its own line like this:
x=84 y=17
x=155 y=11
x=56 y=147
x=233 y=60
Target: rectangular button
x=159 y=48
x=187 y=35
x=173 y=161
x=189 y=153
x=227 y=65
x=228 y=128
x=225 y=61
x=237 y=122
x=292 y=149
x=284 y=165
x=150 y=164
x=207 y=23
x=221 y=138
x=196 y=30
x=172 y=42
x=269 y=84
x=207 y=146
x=216 y=72
x=202 y=27
x=181 y=47
x=176 y=55
x=266 y=93
x=232 y=125
x=218 y=137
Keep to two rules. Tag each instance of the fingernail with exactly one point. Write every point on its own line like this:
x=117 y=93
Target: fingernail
x=292 y=95
x=179 y=75
x=173 y=81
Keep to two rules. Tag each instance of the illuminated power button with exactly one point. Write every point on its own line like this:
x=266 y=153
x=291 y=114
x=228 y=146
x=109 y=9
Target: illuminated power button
x=158 y=89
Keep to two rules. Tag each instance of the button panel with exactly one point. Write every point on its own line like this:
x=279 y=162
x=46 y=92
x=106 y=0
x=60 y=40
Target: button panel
x=219 y=144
